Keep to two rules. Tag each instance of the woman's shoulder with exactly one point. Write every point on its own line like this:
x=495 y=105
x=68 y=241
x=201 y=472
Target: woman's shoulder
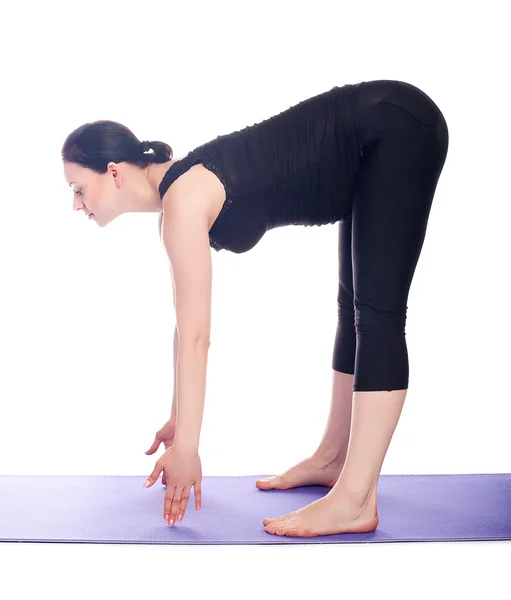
x=197 y=189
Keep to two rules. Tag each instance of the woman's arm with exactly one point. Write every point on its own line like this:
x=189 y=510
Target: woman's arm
x=185 y=235
x=191 y=377
x=173 y=413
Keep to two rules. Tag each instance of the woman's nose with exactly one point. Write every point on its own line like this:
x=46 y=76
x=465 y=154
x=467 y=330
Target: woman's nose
x=77 y=205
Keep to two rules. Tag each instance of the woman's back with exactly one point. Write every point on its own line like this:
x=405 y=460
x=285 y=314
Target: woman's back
x=295 y=168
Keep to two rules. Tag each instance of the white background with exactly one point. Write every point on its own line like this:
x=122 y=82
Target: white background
x=87 y=314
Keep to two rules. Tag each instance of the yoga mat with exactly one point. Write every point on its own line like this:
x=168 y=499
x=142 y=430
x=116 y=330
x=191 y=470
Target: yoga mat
x=112 y=509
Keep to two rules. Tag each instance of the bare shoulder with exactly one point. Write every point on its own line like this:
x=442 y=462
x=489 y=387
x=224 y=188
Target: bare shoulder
x=198 y=191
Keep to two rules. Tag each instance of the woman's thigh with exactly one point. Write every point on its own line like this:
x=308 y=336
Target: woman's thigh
x=404 y=140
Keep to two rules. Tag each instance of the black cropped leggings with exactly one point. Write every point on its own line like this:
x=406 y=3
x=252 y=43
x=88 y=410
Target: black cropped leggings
x=403 y=141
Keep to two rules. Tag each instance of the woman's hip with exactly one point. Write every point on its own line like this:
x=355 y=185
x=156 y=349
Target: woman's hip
x=400 y=111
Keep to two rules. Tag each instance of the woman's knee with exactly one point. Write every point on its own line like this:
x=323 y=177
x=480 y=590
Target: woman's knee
x=369 y=319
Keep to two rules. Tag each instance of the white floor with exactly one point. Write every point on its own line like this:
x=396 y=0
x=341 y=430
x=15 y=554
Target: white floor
x=398 y=570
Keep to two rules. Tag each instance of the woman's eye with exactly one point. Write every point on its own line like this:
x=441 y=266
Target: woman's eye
x=79 y=192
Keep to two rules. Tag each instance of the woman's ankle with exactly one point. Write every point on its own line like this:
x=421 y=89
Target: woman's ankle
x=330 y=454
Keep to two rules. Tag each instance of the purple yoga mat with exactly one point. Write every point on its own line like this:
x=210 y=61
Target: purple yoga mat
x=111 y=509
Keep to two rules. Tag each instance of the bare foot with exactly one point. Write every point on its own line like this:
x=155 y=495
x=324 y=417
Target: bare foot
x=334 y=513
x=311 y=471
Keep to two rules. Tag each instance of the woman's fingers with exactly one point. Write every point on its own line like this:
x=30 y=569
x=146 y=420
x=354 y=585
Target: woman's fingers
x=167 y=503
x=198 y=495
x=184 y=503
x=172 y=500
x=155 y=446
x=176 y=502
x=154 y=475
x=164 y=477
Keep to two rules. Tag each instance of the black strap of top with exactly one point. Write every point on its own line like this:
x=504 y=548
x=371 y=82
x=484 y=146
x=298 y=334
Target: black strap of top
x=175 y=170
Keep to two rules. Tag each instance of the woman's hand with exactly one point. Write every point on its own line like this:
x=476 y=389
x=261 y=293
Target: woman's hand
x=183 y=470
x=166 y=435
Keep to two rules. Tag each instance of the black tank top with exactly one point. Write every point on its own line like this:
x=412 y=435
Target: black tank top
x=295 y=168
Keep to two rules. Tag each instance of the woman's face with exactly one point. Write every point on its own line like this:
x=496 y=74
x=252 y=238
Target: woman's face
x=97 y=195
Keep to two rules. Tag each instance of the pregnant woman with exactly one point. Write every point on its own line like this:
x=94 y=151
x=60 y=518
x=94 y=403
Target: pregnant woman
x=368 y=156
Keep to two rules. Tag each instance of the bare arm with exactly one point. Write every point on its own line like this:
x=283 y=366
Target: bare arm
x=186 y=239
x=173 y=414
x=191 y=392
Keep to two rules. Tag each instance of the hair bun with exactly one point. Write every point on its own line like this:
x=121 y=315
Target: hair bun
x=145 y=146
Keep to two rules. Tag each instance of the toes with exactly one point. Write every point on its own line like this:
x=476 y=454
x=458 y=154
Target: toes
x=295 y=532
x=279 y=525
x=281 y=519
x=267 y=482
x=274 y=521
x=273 y=528
x=288 y=530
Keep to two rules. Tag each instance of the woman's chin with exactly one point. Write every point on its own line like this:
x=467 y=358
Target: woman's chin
x=95 y=219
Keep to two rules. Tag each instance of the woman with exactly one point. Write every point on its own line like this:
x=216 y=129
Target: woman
x=366 y=155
